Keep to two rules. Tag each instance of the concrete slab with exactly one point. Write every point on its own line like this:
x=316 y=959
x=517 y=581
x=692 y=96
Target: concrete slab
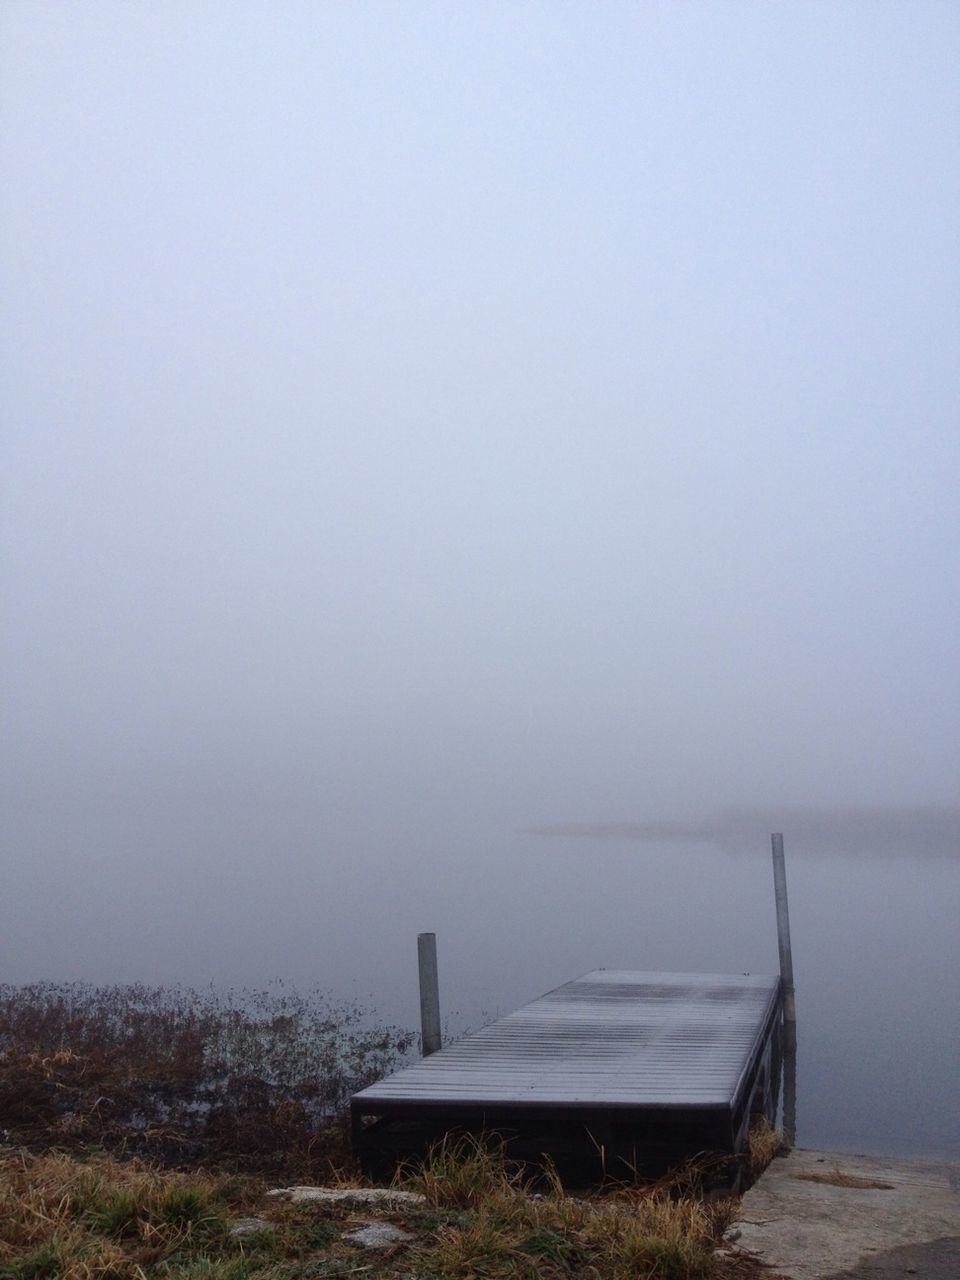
x=895 y=1218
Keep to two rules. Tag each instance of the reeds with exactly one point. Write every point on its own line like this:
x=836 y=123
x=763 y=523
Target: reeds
x=253 y=1079
x=241 y=1082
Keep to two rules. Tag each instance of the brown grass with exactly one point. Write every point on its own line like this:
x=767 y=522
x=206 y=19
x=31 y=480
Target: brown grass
x=763 y=1145
x=100 y=1219
x=74 y=1220
x=513 y=1231
x=258 y=1083
x=253 y=1080
x=836 y=1178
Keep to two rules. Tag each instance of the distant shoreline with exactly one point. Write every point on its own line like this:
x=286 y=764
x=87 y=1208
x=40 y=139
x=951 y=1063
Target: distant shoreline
x=908 y=829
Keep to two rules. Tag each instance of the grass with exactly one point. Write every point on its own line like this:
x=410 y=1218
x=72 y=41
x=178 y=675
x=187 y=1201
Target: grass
x=103 y=1219
x=256 y=1080
x=763 y=1145
x=505 y=1229
x=143 y=1123
x=836 y=1178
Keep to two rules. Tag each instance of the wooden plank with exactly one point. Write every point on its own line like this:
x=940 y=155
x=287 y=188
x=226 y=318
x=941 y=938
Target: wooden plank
x=611 y=1040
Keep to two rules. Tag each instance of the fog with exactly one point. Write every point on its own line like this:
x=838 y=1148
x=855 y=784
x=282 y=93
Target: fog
x=430 y=432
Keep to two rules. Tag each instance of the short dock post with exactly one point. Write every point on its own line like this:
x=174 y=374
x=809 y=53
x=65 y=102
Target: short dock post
x=783 y=929
x=429 y=993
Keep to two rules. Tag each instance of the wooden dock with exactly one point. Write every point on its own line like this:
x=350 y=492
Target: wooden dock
x=617 y=1069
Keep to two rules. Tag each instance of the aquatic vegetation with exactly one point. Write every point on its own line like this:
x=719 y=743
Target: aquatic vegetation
x=256 y=1079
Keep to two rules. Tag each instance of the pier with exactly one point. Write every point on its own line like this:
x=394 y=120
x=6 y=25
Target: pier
x=614 y=1073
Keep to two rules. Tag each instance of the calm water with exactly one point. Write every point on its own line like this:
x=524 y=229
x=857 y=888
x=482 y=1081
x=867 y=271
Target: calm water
x=875 y=956
x=874 y=933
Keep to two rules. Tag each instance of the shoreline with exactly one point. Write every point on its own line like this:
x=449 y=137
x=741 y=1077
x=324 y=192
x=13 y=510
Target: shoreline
x=818 y=1214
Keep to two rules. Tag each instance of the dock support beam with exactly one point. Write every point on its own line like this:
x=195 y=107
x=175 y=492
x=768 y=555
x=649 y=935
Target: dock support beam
x=429 y=993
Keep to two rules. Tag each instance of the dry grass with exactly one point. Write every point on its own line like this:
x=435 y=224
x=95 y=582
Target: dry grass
x=836 y=1178
x=464 y=1173
x=101 y=1219
x=256 y=1083
x=254 y=1080
x=72 y=1220
x=763 y=1145
x=512 y=1231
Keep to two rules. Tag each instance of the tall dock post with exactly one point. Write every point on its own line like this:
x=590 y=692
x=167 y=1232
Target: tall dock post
x=789 y=997
x=783 y=929
x=429 y=993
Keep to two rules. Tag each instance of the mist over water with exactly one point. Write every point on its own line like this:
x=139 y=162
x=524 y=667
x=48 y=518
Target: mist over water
x=482 y=471
x=875 y=940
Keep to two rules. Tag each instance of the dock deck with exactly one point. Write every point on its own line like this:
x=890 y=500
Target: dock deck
x=645 y=1067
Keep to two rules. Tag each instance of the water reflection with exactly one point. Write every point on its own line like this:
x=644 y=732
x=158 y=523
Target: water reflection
x=789 y=1115
x=874 y=912
x=876 y=946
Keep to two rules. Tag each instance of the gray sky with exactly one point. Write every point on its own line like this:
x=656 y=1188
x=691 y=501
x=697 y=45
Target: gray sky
x=418 y=415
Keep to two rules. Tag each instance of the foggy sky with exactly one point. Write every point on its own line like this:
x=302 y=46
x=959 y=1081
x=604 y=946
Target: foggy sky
x=424 y=417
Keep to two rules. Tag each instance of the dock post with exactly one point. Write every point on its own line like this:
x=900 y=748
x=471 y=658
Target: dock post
x=790 y=1084
x=789 y=998
x=783 y=929
x=429 y=993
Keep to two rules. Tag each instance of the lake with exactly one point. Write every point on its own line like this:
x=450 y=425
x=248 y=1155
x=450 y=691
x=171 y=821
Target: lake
x=875 y=942
x=874 y=925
